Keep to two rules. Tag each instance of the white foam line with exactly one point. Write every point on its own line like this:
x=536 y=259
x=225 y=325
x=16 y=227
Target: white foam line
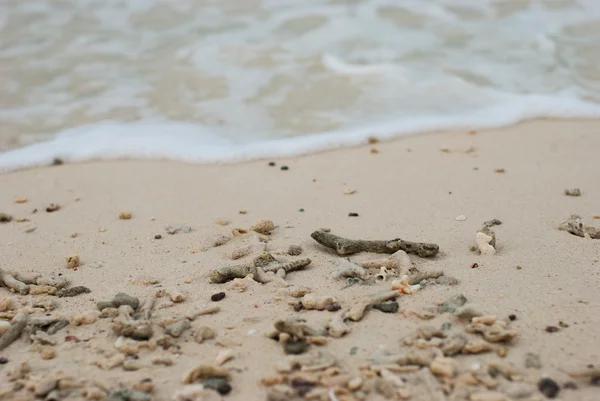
x=192 y=143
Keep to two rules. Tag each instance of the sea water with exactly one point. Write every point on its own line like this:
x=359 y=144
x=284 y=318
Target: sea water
x=231 y=80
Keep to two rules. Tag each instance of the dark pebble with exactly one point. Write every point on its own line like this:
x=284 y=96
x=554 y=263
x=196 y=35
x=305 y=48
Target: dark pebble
x=217 y=297
x=350 y=281
x=334 y=307
x=298 y=307
x=284 y=168
x=57 y=161
x=219 y=384
x=157 y=236
x=512 y=318
x=548 y=387
x=552 y=329
x=387 y=307
x=570 y=386
x=302 y=386
x=295 y=347
x=271 y=164
x=300 y=210
x=352 y=214
x=595 y=381
x=563 y=324
x=3 y=360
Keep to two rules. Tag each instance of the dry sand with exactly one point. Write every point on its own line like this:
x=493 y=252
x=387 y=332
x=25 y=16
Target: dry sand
x=409 y=189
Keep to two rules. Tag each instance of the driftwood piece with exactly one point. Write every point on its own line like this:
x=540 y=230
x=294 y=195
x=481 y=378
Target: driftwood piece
x=262 y=264
x=14 y=331
x=345 y=246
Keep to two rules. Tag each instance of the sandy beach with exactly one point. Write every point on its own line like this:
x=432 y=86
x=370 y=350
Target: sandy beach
x=541 y=285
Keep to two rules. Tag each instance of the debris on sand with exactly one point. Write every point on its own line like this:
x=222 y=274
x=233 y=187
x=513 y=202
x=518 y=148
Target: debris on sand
x=575 y=226
x=359 y=309
x=573 y=192
x=344 y=246
x=259 y=268
x=492 y=223
x=15 y=330
x=53 y=207
x=125 y=215
x=5 y=218
x=264 y=227
x=486 y=241
x=178 y=228
x=73 y=261
x=294 y=250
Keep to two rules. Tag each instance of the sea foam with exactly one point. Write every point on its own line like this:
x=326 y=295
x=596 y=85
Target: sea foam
x=227 y=81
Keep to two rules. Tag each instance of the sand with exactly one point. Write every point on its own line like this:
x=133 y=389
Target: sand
x=413 y=188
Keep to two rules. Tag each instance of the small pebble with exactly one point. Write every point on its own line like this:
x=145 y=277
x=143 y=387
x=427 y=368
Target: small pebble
x=125 y=215
x=552 y=329
x=573 y=192
x=157 y=236
x=295 y=347
x=334 y=307
x=548 y=387
x=217 y=297
x=500 y=170
x=271 y=164
x=512 y=317
x=387 y=307
x=570 y=386
x=73 y=261
x=352 y=214
x=461 y=217
x=3 y=360
x=284 y=168
x=21 y=200
x=300 y=210
x=53 y=207
x=5 y=218
x=219 y=384
x=294 y=250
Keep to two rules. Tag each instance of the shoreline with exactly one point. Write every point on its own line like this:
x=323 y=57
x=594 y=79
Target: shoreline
x=414 y=187
x=120 y=142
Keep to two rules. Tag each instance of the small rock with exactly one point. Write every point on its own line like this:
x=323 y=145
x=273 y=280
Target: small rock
x=285 y=168
x=224 y=356
x=21 y=200
x=461 y=217
x=53 y=207
x=349 y=191
x=352 y=214
x=573 y=192
x=219 y=384
x=204 y=333
x=532 y=361
x=177 y=328
x=492 y=223
x=157 y=236
x=294 y=250
x=548 y=387
x=73 y=261
x=452 y=304
x=73 y=291
x=48 y=352
x=178 y=228
x=3 y=360
x=128 y=395
x=123 y=299
x=217 y=297
x=125 y=215
x=295 y=347
x=5 y=218
x=45 y=386
x=264 y=227
x=387 y=307
x=552 y=329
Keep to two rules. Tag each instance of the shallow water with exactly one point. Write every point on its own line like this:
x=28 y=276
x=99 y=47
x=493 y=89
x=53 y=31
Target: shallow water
x=223 y=80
